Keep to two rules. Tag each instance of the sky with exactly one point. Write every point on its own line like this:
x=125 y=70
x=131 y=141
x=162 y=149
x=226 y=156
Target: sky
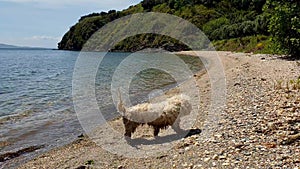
x=42 y=23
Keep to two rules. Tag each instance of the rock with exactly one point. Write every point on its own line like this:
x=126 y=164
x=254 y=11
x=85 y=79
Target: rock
x=218 y=135
x=81 y=167
x=215 y=157
x=270 y=145
x=187 y=148
x=225 y=164
x=206 y=159
x=10 y=155
x=222 y=157
x=237 y=84
x=291 y=139
x=162 y=156
x=247 y=153
x=198 y=166
x=181 y=151
x=81 y=136
x=272 y=126
x=184 y=165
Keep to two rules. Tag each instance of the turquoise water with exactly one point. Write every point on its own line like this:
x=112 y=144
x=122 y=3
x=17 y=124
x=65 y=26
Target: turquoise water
x=36 y=96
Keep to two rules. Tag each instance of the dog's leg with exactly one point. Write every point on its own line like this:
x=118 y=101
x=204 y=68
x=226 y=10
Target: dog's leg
x=128 y=132
x=176 y=126
x=156 y=131
x=130 y=127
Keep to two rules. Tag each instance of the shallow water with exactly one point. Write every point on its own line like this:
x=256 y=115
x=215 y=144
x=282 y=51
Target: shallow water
x=36 y=96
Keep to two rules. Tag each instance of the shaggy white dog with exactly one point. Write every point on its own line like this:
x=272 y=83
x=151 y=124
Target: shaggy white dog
x=158 y=115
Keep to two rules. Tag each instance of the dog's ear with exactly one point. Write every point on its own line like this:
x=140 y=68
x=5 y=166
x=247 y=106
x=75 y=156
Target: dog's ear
x=121 y=107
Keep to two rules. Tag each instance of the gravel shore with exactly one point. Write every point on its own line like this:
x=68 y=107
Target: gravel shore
x=259 y=127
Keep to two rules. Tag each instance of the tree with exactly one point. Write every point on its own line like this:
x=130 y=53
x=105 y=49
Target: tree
x=284 y=25
x=213 y=25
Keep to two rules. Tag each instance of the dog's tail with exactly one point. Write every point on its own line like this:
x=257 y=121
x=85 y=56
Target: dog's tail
x=121 y=107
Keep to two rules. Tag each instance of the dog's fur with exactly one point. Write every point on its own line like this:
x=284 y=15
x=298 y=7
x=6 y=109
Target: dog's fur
x=157 y=115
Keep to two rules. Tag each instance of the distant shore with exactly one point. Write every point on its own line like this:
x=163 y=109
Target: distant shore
x=258 y=127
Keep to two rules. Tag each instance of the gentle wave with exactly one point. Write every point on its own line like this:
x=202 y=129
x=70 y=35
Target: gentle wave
x=36 y=95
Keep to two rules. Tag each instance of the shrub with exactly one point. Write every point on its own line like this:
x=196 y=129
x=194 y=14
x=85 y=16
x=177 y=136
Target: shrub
x=284 y=25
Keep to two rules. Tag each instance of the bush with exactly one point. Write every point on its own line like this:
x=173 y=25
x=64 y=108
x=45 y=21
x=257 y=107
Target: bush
x=212 y=25
x=284 y=25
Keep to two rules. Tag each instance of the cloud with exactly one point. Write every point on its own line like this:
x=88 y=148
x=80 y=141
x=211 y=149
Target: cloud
x=43 y=37
x=47 y=19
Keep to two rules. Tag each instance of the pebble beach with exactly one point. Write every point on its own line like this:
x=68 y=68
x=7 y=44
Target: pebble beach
x=258 y=127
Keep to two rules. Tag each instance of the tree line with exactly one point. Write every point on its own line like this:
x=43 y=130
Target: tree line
x=218 y=19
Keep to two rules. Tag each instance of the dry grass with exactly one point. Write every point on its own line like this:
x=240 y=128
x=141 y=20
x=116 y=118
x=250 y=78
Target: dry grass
x=293 y=84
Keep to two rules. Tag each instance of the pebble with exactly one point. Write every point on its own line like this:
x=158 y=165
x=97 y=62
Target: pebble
x=222 y=157
x=197 y=144
x=206 y=159
x=218 y=135
x=215 y=157
x=198 y=165
x=187 y=148
x=225 y=164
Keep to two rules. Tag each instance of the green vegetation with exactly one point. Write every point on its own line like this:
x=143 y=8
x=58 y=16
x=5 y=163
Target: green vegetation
x=284 y=25
x=293 y=84
x=240 y=25
x=254 y=44
x=142 y=41
x=90 y=162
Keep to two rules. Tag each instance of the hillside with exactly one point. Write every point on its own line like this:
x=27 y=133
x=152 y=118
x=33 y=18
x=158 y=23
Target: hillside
x=219 y=19
x=13 y=47
x=6 y=46
x=261 y=26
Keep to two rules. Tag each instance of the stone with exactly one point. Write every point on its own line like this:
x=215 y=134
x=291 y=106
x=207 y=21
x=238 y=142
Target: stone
x=222 y=157
x=215 y=157
x=225 y=164
x=187 y=148
x=206 y=159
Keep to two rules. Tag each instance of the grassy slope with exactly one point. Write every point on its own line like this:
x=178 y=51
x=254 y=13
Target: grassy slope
x=214 y=19
x=255 y=44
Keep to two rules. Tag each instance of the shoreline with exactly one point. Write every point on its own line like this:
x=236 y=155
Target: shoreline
x=255 y=118
x=29 y=152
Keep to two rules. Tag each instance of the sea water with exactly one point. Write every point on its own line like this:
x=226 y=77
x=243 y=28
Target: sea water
x=36 y=107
